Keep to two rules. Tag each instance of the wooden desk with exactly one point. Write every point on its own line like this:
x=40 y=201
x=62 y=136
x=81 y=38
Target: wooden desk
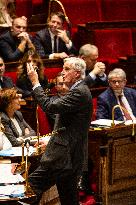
x=49 y=63
x=113 y=153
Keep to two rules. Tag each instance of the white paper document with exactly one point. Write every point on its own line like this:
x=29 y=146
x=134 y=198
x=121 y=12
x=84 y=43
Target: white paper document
x=6 y=177
x=17 y=151
x=105 y=122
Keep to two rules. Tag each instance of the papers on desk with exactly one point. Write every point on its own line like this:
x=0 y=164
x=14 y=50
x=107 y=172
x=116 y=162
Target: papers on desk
x=9 y=183
x=130 y=122
x=6 y=177
x=105 y=123
x=12 y=191
x=17 y=151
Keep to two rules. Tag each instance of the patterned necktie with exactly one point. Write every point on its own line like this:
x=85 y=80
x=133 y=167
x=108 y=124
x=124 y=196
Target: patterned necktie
x=125 y=112
x=55 y=44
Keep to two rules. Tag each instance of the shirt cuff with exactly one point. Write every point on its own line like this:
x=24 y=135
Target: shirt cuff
x=103 y=77
x=51 y=56
x=93 y=76
x=37 y=85
x=69 y=45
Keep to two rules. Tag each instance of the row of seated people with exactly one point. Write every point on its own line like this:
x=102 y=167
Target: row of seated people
x=52 y=42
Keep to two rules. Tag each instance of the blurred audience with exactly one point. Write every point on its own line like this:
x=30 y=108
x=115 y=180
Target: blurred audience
x=5 y=82
x=16 y=128
x=117 y=94
x=23 y=81
x=54 y=42
x=5 y=18
x=14 y=43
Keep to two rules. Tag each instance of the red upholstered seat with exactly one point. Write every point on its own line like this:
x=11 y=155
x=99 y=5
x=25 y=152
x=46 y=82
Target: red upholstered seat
x=113 y=10
x=113 y=43
x=51 y=73
x=44 y=126
x=12 y=75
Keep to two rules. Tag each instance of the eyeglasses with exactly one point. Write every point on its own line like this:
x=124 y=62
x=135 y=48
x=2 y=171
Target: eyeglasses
x=117 y=81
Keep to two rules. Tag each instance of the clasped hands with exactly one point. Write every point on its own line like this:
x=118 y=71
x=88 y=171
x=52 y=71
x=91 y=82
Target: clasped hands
x=99 y=69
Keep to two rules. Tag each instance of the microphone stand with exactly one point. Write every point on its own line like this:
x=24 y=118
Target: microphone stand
x=38 y=151
x=28 y=189
x=113 y=123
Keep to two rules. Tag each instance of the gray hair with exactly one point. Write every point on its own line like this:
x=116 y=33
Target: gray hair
x=77 y=64
x=117 y=72
x=87 y=49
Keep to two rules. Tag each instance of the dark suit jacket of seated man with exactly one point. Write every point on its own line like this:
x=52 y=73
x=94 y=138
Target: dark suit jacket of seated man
x=14 y=43
x=109 y=98
x=44 y=39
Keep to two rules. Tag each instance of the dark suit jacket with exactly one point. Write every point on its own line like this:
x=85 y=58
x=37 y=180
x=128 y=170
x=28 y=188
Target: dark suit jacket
x=8 y=47
x=11 y=131
x=107 y=100
x=7 y=82
x=42 y=42
x=97 y=82
x=66 y=150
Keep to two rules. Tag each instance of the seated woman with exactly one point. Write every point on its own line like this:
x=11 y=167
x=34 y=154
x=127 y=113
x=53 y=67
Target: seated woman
x=16 y=128
x=23 y=81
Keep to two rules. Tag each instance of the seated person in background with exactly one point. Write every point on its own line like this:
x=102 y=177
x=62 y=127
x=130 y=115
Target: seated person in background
x=117 y=93
x=14 y=43
x=49 y=47
x=5 y=82
x=95 y=71
x=5 y=19
x=23 y=81
x=95 y=77
x=61 y=89
x=15 y=127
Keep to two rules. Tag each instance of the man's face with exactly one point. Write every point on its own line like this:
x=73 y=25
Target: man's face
x=70 y=75
x=90 y=60
x=19 y=25
x=61 y=88
x=117 y=84
x=2 y=67
x=55 y=23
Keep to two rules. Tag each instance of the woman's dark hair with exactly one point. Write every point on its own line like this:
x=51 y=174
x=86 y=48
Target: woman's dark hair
x=22 y=69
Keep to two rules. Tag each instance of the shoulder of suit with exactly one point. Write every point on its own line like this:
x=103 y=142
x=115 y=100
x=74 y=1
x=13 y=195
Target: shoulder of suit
x=6 y=35
x=18 y=114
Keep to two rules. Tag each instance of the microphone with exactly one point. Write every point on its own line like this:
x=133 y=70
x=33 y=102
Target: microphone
x=27 y=142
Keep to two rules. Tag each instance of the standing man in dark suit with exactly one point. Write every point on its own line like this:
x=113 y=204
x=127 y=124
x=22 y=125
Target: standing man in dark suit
x=62 y=161
x=5 y=82
x=54 y=42
x=14 y=43
x=111 y=97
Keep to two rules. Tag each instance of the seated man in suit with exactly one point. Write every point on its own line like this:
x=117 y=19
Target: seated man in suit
x=95 y=77
x=117 y=93
x=5 y=82
x=14 y=43
x=95 y=71
x=54 y=42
